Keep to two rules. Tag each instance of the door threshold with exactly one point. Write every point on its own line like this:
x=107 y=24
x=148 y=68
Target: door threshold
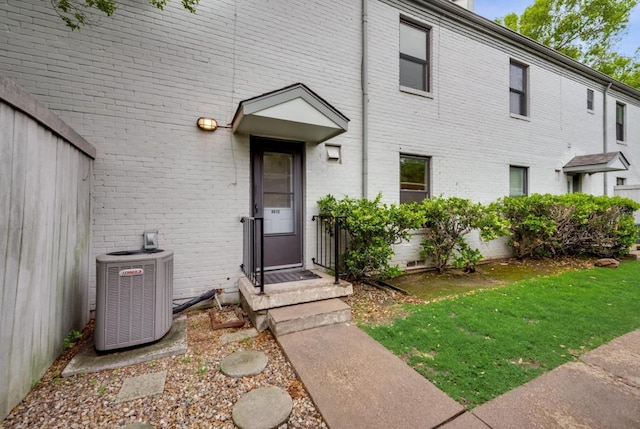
x=283 y=267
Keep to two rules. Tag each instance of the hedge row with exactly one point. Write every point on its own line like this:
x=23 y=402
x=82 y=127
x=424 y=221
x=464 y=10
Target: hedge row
x=538 y=225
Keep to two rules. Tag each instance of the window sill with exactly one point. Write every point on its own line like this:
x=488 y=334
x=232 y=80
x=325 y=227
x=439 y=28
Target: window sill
x=414 y=91
x=621 y=142
x=520 y=117
x=591 y=111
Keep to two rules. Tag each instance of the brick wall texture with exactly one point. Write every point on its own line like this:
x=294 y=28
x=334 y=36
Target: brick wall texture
x=134 y=84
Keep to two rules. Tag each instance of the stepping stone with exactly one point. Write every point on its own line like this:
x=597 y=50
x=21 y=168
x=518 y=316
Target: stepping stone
x=238 y=336
x=138 y=426
x=264 y=408
x=242 y=364
x=141 y=386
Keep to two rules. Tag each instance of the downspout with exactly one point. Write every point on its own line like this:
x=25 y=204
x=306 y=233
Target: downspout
x=364 y=76
x=605 y=134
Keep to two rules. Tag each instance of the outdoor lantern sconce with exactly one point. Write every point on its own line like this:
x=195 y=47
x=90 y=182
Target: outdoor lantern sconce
x=207 y=124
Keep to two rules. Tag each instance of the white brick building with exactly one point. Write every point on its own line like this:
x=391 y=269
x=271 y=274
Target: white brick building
x=134 y=84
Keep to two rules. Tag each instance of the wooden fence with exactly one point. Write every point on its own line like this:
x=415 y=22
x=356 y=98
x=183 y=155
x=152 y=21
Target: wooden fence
x=45 y=214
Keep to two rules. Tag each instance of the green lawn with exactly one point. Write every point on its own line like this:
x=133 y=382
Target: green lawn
x=478 y=346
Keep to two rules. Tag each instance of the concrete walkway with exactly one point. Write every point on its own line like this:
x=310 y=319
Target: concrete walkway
x=357 y=383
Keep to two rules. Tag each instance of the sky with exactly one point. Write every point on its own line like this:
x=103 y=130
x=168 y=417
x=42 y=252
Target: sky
x=497 y=8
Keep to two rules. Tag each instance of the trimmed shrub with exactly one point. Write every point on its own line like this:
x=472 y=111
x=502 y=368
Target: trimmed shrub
x=372 y=227
x=571 y=224
x=447 y=222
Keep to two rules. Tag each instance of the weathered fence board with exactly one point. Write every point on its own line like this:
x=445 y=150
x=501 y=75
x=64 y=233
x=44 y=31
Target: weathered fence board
x=45 y=184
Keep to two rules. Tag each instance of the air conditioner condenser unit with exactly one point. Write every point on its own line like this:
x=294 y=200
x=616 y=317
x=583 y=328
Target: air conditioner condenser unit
x=134 y=296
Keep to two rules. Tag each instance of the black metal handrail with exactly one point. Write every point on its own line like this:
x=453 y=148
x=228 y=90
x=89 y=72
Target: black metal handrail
x=253 y=250
x=331 y=242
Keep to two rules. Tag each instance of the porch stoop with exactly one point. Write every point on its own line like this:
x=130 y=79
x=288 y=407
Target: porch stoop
x=290 y=294
x=294 y=318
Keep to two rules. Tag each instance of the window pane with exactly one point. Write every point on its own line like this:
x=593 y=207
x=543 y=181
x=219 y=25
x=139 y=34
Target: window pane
x=278 y=169
x=516 y=77
x=413 y=41
x=413 y=174
x=619 y=113
x=413 y=196
x=414 y=179
x=620 y=122
x=517 y=181
x=517 y=103
x=412 y=75
x=278 y=201
x=619 y=132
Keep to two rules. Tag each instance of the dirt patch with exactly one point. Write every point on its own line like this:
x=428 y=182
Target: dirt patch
x=430 y=285
x=526 y=363
x=378 y=306
x=375 y=306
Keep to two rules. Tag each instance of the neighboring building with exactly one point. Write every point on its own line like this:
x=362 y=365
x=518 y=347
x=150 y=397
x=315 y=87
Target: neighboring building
x=407 y=98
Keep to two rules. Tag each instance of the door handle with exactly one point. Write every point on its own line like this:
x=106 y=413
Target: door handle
x=255 y=208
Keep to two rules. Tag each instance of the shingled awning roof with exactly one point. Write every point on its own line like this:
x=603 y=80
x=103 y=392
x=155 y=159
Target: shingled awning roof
x=597 y=163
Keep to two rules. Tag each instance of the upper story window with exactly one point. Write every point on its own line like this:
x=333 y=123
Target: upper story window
x=518 y=89
x=414 y=178
x=518 y=181
x=414 y=56
x=620 y=113
x=590 y=100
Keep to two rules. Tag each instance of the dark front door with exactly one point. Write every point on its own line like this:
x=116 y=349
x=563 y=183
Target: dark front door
x=277 y=197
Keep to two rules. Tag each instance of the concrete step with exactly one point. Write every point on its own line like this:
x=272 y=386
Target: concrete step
x=290 y=293
x=635 y=254
x=294 y=318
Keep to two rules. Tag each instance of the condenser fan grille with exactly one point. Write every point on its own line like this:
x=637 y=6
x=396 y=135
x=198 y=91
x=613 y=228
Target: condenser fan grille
x=133 y=302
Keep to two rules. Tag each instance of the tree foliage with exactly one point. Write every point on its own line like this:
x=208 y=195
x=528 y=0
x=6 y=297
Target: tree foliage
x=585 y=30
x=76 y=13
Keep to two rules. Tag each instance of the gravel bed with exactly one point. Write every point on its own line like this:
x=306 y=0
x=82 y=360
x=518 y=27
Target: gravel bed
x=196 y=393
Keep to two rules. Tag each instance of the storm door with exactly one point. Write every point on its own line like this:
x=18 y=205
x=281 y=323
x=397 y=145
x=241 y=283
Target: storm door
x=277 y=197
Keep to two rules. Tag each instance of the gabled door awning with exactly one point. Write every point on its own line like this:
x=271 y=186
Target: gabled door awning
x=597 y=163
x=294 y=112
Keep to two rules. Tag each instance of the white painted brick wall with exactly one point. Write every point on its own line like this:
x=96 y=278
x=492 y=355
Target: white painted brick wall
x=134 y=84
x=465 y=126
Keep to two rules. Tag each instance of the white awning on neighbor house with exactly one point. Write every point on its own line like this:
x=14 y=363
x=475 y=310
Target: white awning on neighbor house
x=294 y=113
x=597 y=163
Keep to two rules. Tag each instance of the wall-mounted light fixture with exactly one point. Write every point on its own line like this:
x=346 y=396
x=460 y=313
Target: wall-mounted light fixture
x=207 y=124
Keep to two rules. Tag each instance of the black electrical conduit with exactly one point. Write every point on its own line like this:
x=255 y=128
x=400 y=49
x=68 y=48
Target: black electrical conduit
x=213 y=293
